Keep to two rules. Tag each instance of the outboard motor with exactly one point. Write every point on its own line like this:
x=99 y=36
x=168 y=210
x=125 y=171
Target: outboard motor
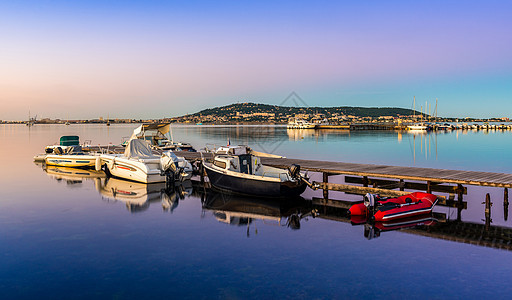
x=169 y=169
x=294 y=171
x=369 y=201
x=370 y=232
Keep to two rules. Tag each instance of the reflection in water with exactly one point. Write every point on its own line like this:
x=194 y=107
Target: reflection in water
x=138 y=196
x=70 y=175
x=374 y=229
x=242 y=211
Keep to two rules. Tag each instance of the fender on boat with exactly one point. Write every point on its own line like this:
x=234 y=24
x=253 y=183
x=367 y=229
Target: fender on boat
x=97 y=164
x=358 y=210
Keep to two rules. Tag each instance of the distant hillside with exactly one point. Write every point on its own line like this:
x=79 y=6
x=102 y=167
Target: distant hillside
x=249 y=108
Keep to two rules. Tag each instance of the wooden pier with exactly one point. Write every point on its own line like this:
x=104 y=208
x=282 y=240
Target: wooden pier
x=390 y=181
x=432 y=177
x=380 y=179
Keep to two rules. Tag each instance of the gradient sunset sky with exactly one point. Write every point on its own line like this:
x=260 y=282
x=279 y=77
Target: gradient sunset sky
x=153 y=59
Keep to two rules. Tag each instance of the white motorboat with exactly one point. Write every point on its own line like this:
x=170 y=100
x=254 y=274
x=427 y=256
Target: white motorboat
x=156 y=135
x=138 y=163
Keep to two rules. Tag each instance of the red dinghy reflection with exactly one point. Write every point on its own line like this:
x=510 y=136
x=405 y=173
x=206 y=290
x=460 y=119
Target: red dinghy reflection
x=373 y=230
x=386 y=209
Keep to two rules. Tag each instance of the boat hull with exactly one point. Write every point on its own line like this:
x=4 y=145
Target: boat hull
x=131 y=170
x=136 y=171
x=71 y=161
x=253 y=186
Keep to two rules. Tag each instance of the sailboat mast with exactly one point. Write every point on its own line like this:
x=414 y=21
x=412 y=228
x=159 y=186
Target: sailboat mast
x=414 y=108
x=436 y=109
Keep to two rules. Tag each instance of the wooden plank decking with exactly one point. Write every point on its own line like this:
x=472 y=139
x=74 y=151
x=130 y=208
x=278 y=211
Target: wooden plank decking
x=383 y=171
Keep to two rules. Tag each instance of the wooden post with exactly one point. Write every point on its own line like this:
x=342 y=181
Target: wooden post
x=402 y=184
x=365 y=181
x=460 y=194
x=201 y=173
x=326 y=179
x=429 y=187
x=488 y=205
x=505 y=204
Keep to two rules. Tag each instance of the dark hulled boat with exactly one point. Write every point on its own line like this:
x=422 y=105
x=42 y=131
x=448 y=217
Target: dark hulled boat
x=238 y=171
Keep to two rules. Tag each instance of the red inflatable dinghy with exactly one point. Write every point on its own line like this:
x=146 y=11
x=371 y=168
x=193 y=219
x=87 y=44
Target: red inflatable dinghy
x=385 y=209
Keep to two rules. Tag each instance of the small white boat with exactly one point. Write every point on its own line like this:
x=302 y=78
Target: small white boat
x=67 y=153
x=138 y=163
x=295 y=123
x=417 y=127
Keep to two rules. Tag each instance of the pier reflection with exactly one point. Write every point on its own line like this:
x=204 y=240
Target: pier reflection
x=243 y=211
x=434 y=226
x=290 y=213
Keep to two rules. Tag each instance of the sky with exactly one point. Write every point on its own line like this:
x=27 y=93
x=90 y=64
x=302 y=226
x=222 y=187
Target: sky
x=155 y=59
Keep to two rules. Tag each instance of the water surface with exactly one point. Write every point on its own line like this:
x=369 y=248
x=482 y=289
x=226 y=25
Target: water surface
x=64 y=235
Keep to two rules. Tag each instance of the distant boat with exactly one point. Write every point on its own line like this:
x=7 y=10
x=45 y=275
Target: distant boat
x=31 y=121
x=417 y=127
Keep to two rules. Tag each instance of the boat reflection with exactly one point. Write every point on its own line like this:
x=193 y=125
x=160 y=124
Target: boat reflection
x=301 y=134
x=138 y=196
x=71 y=175
x=374 y=229
x=243 y=211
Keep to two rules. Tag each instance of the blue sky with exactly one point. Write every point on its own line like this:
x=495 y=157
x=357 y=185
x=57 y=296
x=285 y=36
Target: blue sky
x=152 y=59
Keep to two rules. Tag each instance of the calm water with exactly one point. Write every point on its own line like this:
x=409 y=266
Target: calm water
x=68 y=235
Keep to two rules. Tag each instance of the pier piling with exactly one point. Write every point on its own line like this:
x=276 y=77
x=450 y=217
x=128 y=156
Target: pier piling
x=505 y=204
x=326 y=179
x=488 y=205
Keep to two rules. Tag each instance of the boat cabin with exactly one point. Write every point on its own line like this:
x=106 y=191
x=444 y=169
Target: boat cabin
x=159 y=135
x=248 y=164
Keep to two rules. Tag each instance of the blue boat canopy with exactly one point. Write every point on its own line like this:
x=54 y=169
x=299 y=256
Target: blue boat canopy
x=69 y=140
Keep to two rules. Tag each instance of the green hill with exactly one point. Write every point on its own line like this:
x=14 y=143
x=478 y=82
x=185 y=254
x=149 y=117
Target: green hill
x=250 y=108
